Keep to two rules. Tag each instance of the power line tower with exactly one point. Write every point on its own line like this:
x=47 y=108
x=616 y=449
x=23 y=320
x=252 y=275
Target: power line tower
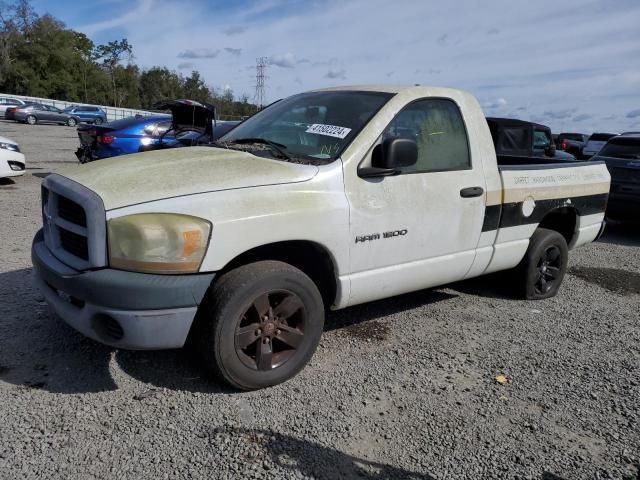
x=261 y=66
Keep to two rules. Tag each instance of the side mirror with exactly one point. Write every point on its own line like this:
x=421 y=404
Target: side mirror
x=388 y=157
x=550 y=151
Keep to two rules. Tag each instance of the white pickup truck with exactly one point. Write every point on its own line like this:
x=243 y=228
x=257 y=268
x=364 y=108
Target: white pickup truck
x=325 y=199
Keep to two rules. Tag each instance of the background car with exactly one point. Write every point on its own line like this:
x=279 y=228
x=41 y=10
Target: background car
x=12 y=163
x=595 y=142
x=523 y=141
x=87 y=114
x=37 y=113
x=572 y=143
x=622 y=156
x=10 y=111
x=6 y=102
x=190 y=123
x=121 y=137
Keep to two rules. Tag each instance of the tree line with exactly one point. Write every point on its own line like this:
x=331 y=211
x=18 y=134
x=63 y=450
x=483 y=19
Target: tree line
x=40 y=57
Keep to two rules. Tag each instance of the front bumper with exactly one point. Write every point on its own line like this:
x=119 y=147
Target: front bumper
x=128 y=310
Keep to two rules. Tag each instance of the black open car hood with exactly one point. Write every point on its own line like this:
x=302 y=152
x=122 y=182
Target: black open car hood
x=189 y=115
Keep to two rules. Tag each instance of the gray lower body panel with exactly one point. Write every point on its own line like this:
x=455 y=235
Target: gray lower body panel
x=122 y=309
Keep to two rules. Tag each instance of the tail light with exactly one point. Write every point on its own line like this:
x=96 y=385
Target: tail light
x=105 y=139
x=563 y=145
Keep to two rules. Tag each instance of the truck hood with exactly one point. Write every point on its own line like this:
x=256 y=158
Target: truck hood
x=145 y=177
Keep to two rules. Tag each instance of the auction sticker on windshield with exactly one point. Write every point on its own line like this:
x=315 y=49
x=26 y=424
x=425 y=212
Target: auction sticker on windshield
x=329 y=130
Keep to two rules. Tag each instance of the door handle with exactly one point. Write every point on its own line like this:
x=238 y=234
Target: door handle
x=471 y=192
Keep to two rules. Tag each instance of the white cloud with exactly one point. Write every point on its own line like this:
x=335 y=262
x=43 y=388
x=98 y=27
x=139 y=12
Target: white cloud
x=187 y=66
x=129 y=18
x=286 y=60
x=233 y=51
x=586 y=61
x=334 y=73
x=199 y=53
x=634 y=113
x=235 y=30
x=496 y=104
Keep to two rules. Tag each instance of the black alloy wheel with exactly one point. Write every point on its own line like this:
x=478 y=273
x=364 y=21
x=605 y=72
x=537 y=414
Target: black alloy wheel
x=549 y=268
x=542 y=269
x=259 y=324
x=270 y=330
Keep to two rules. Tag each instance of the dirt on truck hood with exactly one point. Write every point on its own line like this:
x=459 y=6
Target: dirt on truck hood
x=144 y=177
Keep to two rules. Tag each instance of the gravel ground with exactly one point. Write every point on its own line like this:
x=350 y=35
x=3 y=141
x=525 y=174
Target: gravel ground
x=401 y=388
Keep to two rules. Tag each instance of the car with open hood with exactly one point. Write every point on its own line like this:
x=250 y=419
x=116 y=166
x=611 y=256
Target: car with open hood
x=190 y=123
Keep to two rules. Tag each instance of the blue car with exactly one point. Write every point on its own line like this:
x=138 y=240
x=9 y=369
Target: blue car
x=190 y=123
x=121 y=137
x=87 y=114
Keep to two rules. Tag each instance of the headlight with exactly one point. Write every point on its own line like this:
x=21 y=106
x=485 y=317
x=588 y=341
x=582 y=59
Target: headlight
x=10 y=146
x=158 y=242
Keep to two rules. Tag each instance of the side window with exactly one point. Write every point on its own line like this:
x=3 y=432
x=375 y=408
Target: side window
x=438 y=129
x=541 y=139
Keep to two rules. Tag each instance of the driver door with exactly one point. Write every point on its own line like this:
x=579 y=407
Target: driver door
x=419 y=228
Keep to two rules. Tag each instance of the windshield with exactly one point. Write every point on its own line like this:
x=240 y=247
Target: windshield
x=623 y=148
x=316 y=125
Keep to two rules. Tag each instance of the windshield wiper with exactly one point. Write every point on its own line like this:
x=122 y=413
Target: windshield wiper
x=278 y=147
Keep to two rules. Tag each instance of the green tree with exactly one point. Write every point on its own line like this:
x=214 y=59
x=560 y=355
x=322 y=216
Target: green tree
x=111 y=55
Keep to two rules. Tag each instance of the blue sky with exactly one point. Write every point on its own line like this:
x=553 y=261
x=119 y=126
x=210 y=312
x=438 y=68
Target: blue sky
x=571 y=64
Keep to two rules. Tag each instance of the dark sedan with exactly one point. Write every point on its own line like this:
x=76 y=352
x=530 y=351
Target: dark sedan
x=622 y=156
x=38 y=113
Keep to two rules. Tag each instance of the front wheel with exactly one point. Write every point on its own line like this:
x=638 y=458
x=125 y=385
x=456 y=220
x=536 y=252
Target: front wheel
x=259 y=324
x=543 y=267
x=98 y=121
x=71 y=122
x=31 y=120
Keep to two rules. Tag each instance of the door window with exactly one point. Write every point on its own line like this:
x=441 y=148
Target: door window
x=437 y=127
x=541 y=139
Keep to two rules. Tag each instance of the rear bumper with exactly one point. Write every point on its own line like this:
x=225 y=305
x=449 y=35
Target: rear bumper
x=123 y=309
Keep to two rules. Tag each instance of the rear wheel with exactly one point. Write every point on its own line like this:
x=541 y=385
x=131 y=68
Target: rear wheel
x=543 y=267
x=31 y=120
x=98 y=121
x=259 y=324
x=71 y=122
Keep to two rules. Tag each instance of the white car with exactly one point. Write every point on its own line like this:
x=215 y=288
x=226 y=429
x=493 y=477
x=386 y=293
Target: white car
x=12 y=163
x=6 y=102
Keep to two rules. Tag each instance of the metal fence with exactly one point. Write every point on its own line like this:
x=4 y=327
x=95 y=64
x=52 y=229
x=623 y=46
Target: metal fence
x=113 y=113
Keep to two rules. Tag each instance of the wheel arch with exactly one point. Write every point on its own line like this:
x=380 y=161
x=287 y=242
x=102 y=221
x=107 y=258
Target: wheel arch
x=312 y=258
x=563 y=220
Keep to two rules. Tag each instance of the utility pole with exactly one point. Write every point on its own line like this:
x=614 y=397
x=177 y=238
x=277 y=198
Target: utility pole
x=261 y=66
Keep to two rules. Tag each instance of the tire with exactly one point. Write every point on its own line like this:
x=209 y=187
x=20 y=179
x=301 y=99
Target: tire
x=259 y=324
x=31 y=119
x=98 y=121
x=72 y=122
x=542 y=269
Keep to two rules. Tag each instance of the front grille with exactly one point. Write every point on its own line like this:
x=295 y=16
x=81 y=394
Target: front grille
x=71 y=211
x=74 y=223
x=74 y=244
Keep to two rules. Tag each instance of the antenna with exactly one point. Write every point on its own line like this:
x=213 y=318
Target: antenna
x=261 y=66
